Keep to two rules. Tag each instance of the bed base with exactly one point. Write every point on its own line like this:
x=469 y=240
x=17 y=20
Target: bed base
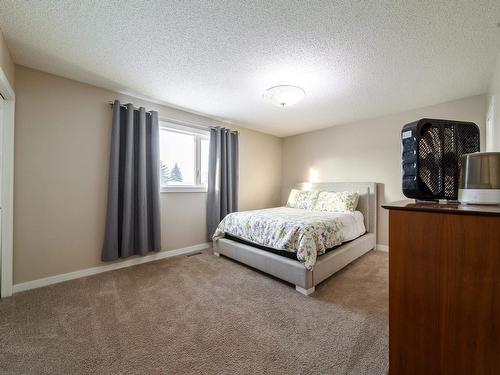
x=292 y=270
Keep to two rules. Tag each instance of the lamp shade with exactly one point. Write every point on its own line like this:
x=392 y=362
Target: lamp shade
x=284 y=95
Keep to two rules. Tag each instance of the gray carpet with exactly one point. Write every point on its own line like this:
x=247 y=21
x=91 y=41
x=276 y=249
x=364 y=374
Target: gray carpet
x=199 y=315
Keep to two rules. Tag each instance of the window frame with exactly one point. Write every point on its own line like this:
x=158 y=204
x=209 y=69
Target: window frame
x=199 y=134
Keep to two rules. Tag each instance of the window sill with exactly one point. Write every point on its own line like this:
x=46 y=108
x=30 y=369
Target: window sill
x=184 y=189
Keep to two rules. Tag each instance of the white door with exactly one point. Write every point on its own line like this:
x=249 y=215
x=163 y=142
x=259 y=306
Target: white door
x=7 y=111
x=1 y=171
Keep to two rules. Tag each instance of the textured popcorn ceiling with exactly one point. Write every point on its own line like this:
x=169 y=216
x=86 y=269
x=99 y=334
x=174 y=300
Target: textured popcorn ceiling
x=355 y=59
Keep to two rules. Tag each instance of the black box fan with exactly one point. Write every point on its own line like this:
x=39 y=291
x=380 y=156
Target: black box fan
x=431 y=151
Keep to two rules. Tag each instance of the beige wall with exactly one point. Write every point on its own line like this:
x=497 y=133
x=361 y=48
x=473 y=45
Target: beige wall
x=6 y=61
x=493 y=126
x=61 y=163
x=367 y=151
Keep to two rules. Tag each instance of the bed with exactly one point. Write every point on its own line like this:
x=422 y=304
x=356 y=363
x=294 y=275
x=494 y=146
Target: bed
x=305 y=269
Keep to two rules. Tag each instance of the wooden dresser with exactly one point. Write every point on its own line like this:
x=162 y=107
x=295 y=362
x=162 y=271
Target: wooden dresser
x=444 y=289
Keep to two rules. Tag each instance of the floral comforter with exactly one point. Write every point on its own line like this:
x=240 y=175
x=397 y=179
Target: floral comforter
x=305 y=232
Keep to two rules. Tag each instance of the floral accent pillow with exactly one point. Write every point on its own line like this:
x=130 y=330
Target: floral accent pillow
x=302 y=199
x=344 y=201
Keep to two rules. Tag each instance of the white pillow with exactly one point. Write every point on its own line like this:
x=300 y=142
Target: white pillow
x=302 y=199
x=343 y=201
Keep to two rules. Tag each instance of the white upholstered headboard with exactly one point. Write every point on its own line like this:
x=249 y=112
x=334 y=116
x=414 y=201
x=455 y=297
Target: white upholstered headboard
x=367 y=191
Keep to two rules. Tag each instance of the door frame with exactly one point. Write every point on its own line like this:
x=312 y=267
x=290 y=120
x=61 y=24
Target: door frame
x=7 y=188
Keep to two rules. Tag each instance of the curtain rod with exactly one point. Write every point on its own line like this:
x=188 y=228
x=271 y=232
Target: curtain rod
x=111 y=104
x=175 y=121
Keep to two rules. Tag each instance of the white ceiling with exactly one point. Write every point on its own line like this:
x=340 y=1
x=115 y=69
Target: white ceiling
x=355 y=59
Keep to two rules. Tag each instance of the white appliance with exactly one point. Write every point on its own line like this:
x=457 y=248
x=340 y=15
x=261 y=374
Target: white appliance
x=480 y=178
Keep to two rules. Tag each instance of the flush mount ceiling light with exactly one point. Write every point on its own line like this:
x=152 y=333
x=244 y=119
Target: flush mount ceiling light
x=284 y=95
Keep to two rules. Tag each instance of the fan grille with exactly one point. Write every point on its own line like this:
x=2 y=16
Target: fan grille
x=440 y=148
x=430 y=159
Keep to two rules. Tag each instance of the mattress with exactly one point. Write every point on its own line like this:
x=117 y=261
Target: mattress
x=296 y=233
x=283 y=253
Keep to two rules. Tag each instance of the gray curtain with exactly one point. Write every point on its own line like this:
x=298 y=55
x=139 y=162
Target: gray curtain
x=133 y=216
x=222 y=176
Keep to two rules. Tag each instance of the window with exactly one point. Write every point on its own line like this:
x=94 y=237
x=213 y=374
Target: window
x=183 y=158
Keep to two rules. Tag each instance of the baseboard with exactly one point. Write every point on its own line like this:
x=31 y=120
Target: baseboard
x=382 y=247
x=38 y=283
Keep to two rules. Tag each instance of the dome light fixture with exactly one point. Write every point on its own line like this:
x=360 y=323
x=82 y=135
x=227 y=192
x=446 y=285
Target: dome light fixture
x=284 y=95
